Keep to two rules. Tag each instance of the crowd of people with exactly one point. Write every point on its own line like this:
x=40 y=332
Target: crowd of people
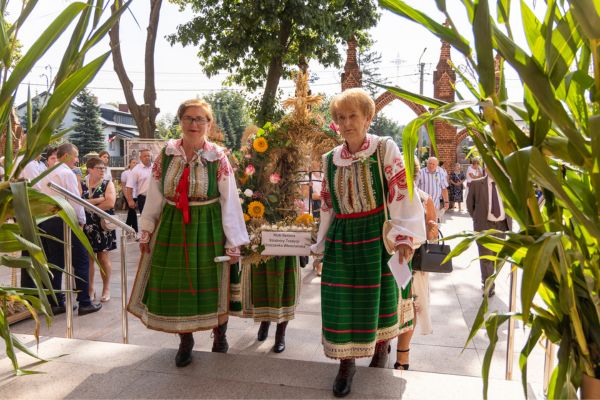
x=191 y=215
x=97 y=188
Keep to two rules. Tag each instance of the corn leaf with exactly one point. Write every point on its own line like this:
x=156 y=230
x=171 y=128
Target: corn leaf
x=482 y=32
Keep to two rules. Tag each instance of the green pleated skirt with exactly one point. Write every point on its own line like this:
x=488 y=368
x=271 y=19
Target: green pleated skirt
x=179 y=287
x=270 y=289
x=359 y=296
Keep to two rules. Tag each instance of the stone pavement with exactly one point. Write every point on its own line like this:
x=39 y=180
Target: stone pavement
x=455 y=300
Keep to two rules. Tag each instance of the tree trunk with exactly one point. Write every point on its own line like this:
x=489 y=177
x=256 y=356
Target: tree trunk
x=267 y=102
x=143 y=114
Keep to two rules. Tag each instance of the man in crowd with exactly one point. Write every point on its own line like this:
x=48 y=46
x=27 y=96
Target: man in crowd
x=63 y=176
x=486 y=209
x=433 y=182
x=138 y=181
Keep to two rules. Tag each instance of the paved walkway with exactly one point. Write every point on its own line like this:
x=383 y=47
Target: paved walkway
x=455 y=299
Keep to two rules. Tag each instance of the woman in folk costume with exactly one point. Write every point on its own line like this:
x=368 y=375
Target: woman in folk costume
x=192 y=215
x=359 y=296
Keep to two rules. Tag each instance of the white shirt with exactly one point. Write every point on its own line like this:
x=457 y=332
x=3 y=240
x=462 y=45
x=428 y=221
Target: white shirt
x=492 y=217
x=432 y=183
x=408 y=224
x=63 y=177
x=139 y=179
x=234 y=226
x=107 y=174
x=444 y=175
x=124 y=177
x=32 y=170
x=475 y=171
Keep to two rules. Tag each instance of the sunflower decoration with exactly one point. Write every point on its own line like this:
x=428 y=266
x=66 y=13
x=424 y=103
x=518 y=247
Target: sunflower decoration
x=260 y=144
x=305 y=219
x=246 y=217
x=256 y=209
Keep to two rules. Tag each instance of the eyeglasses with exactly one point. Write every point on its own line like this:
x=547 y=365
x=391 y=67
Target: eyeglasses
x=199 y=120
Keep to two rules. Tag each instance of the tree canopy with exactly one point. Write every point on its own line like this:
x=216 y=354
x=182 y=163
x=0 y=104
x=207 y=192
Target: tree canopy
x=229 y=109
x=87 y=133
x=258 y=42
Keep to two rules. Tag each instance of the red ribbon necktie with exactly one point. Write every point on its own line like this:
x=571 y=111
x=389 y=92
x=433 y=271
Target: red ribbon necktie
x=183 y=204
x=182 y=194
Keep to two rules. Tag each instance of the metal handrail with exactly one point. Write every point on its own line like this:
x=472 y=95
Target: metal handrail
x=126 y=229
x=91 y=208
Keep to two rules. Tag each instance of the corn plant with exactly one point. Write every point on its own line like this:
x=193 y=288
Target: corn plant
x=557 y=247
x=18 y=200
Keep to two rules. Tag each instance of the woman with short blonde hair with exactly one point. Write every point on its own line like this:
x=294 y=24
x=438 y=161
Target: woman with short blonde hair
x=359 y=296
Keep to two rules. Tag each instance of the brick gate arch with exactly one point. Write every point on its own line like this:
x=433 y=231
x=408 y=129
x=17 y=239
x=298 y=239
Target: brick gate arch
x=387 y=97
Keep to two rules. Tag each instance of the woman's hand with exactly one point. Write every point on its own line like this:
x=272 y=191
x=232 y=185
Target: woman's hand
x=233 y=260
x=432 y=230
x=405 y=253
x=145 y=242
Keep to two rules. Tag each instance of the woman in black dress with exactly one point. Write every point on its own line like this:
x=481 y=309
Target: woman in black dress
x=101 y=193
x=457 y=177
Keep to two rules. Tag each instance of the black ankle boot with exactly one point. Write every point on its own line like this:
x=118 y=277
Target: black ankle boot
x=380 y=357
x=343 y=381
x=220 y=344
x=263 y=331
x=280 y=337
x=184 y=354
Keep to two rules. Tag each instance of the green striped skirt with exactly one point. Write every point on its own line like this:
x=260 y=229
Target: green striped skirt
x=178 y=287
x=270 y=289
x=359 y=296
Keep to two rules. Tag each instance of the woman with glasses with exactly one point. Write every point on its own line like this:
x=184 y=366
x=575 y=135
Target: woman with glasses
x=100 y=192
x=192 y=215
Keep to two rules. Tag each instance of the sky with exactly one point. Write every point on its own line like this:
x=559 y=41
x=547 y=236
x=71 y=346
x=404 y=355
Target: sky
x=179 y=76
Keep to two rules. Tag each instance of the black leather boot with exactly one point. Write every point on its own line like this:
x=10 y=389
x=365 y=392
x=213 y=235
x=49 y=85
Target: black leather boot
x=380 y=357
x=220 y=344
x=280 y=337
x=343 y=381
x=263 y=331
x=184 y=354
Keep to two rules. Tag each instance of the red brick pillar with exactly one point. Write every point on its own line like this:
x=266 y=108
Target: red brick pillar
x=352 y=76
x=444 y=79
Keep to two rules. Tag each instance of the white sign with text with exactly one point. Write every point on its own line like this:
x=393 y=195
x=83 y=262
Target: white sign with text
x=286 y=243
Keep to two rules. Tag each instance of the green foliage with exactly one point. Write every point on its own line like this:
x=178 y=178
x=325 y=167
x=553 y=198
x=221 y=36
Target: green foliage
x=258 y=42
x=18 y=199
x=384 y=126
x=87 y=132
x=231 y=115
x=557 y=247
x=168 y=127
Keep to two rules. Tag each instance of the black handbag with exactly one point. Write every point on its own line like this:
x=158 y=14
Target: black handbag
x=429 y=257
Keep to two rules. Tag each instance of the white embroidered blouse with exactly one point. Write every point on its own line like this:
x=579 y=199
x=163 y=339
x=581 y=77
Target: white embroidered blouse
x=355 y=192
x=234 y=226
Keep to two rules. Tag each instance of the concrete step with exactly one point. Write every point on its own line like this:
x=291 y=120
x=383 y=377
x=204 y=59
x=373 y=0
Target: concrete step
x=85 y=369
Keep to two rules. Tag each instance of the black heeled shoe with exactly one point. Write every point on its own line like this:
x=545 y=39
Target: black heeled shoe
x=184 y=354
x=397 y=364
x=343 y=381
x=263 y=331
x=280 y=337
x=380 y=357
